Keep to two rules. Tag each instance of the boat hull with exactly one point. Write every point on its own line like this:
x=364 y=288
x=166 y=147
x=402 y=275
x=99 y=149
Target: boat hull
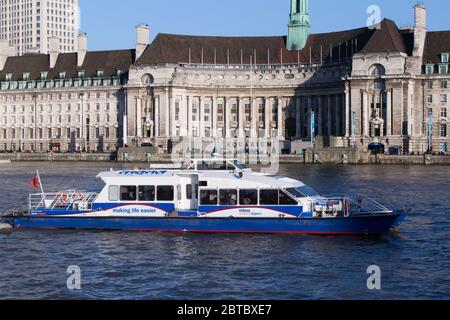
x=362 y=225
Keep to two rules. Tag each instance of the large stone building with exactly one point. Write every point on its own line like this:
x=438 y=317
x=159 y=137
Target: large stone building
x=371 y=84
x=28 y=25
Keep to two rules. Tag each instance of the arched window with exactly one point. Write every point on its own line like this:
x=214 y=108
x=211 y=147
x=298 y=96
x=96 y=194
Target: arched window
x=377 y=70
x=147 y=79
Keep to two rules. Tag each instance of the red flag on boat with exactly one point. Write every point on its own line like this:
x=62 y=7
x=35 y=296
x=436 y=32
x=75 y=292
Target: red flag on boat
x=36 y=181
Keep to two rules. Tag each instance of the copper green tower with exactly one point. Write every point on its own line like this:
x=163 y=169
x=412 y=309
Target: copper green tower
x=299 y=25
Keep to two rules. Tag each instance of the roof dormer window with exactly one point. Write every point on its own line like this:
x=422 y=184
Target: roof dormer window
x=80 y=74
x=444 y=57
x=443 y=68
x=8 y=77
x=119 y=72
x=429 y=69
x=25 y=76
x=100 y=74
x=62 y=75
x=44 y=75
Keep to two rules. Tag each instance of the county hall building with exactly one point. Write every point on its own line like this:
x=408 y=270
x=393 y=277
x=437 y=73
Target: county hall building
x=340 y=89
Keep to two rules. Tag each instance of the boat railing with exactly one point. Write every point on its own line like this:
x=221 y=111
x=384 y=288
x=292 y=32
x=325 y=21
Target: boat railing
x=360 y=204
x=65 y=200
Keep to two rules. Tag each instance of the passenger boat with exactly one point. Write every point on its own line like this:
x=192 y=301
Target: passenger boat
x=209 y=196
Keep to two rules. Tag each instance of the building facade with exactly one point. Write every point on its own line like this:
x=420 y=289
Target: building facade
x=28 y=25
x=348 y=88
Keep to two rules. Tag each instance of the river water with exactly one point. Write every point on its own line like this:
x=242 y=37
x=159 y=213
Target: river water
x=414 y=263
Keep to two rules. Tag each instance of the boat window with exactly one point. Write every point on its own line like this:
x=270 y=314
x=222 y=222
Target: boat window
x=268 y=197
x=189 y=191
x=214 y=165
x=146 y=193
x=165 y=193
x=208 y=197
x=203 y=183
x=307 y=191
x=128 y=193
x=228 y=197
x=294 y=192
x=248 y=197
x=113 y=193
x=286 y=200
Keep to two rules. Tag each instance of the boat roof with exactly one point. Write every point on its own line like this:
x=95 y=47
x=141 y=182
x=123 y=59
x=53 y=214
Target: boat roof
x=248 y=176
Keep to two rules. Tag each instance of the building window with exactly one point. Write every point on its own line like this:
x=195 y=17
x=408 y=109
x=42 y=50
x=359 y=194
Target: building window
x=378 y=70
x=443 y=130
x=429 y=69
x=443 y=147
x=443 y=112
x=379 y=85
x=443 y=68
x=443 y=98
x=430 y=85
x=444 y=84
x=430 y=99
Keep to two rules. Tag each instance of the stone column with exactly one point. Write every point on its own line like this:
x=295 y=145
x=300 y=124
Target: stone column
x=337 y=120
x=308 y=118
x=138 y=118
x=320 y=115
x=411 y=108
x=157 y=118
x=267 y=116
x=253 y=117
x=298 y=118
x=214 y=117
x=189 y=116
x=280 y=118
x=389 y=112
x=365 y=123
x=201 y=118
x=241 y=117
x=167 y=114
x=348 y=123
x=329 y=118
x=226 y=103
x=173 y=125
x=125 y=123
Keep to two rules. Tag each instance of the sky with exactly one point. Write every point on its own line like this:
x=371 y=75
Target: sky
x=110 y=24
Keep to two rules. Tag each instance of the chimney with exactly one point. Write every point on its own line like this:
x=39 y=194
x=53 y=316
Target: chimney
x=142 y=39
x=420 y=29
x=53 y=50
x=6 y=50
x=82 y=48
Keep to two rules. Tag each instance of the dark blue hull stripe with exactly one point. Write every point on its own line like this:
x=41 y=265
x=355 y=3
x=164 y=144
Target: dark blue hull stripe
x=357 y=225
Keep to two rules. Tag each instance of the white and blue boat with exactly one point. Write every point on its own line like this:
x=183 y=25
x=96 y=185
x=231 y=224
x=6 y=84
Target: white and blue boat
x=208 y=196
